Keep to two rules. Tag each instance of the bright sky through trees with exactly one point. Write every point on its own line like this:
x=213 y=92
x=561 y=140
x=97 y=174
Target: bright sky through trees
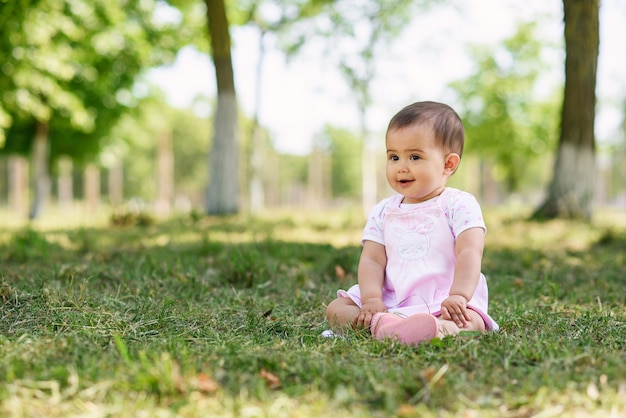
x=304 y=94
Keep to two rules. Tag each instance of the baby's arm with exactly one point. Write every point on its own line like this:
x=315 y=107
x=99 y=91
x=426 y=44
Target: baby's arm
x=371 y=275
x=469 y=251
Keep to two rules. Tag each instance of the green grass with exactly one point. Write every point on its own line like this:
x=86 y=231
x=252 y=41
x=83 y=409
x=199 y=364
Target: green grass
x=222 y=317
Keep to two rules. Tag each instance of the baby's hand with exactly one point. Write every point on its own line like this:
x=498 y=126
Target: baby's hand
x=368 y=309
x=454 y=308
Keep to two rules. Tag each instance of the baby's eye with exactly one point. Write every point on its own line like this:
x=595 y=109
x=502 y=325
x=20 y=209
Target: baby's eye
x=394 y=157
x=414 y=157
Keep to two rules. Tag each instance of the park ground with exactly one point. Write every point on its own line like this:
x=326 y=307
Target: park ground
x=198 y=316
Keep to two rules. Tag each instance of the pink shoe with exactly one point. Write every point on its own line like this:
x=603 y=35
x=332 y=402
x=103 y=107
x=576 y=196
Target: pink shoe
x=410 y=330
x=381 y=321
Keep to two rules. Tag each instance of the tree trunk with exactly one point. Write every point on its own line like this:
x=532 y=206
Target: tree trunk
x=4 y=179
x=65 y=183
x=222 y=196
x=570 y=193
x=272 y=195
x=41 y=160
x=92 y=188
x=165 y=175
x=18 y=184
x=116 y=184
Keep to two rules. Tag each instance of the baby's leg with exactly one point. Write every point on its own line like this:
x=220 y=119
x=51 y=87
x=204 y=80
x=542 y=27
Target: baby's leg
x=341 y=313
x=447 y=327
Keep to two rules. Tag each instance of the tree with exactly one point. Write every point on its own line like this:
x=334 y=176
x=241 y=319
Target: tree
x=70 y=74
x=136 y=139
x=507 y=124
x=223 y=189
x=357 y=30
x=570 y=192
x=222 y=196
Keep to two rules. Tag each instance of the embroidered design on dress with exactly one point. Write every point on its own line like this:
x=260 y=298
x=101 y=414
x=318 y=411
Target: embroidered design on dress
x=413 y=242
x=413 y=245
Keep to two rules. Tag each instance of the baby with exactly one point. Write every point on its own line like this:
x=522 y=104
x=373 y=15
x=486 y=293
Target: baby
x=419 y=275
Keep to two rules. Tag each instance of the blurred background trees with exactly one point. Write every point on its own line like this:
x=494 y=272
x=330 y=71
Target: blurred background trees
x=511 y=128
x=68 y=74
x=81 y=122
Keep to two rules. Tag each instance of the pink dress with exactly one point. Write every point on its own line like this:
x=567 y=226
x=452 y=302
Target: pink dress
x=419 y=241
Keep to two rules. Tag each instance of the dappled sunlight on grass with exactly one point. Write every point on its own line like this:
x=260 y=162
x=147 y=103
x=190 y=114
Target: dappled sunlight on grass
x=56 y=218
x=554 y=234
x=338 y=228
x=341 y=227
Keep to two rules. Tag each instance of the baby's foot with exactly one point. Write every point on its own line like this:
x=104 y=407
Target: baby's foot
x=381 y=321
x=410 y=330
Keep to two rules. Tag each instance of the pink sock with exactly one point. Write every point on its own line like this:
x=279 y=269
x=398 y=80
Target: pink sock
x=410 y=330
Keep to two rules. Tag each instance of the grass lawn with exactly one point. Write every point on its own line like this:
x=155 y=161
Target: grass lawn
x=201 y=317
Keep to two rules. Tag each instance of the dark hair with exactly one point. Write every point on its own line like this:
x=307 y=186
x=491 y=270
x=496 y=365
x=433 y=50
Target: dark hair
x=445 y=122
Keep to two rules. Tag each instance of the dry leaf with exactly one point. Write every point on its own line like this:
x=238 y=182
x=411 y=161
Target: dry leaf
x=206 y=384
x=429 y=373
x=406 y=410
x=340 y=272
x=273 y=382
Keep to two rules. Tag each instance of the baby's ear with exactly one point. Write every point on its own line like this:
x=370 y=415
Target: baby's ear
x=451 y=163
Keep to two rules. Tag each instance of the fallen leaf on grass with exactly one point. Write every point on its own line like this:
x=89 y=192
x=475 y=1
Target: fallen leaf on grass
x=206 y=384
x=272 y=381
x=433 y=376
x=340 y=272
x=405 y=410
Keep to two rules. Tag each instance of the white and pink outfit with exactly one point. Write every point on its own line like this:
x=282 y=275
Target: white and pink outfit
x=419 y=240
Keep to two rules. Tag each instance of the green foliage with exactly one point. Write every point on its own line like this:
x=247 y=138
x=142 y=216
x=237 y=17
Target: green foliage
x=27 y=245
x=134 y=140
x=615 y=171
x=191 y=139
x=221 y=315
x=507 y=121
x=72 y=65
x=355 y=51
x=128 y=218
x=278 y=16
x=345 y=149
x=293 y=172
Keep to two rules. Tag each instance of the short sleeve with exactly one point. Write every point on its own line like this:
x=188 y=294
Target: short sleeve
x=373 y=230
x=463 y=212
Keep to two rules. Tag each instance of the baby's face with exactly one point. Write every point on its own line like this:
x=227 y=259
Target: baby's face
x=417 y=167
